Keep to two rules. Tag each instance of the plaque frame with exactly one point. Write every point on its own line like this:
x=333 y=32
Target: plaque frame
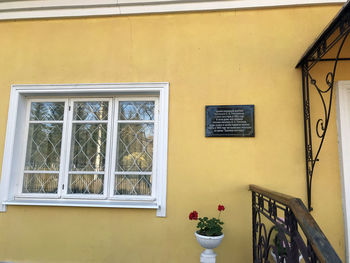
x=230 y=120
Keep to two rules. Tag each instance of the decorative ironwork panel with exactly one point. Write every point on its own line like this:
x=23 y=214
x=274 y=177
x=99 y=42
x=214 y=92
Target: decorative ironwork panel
x=275 y=233
x=285 y=232
x=315 y=133
x=326 y=48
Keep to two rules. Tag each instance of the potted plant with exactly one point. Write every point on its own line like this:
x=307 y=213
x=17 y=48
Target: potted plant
x=209 y=234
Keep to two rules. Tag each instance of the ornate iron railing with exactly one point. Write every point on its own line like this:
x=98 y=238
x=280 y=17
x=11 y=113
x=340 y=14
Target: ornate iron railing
x=277 y=219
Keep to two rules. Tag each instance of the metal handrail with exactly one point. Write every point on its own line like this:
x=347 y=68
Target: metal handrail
x=323 y=250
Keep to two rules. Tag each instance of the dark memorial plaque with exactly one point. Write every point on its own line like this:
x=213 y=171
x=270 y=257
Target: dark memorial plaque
x=229 y=121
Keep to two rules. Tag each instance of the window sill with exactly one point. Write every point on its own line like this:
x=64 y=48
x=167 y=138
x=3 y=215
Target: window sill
x=86 y=203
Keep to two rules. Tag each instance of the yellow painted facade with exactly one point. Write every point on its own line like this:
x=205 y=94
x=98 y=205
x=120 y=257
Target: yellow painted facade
x=209 y=58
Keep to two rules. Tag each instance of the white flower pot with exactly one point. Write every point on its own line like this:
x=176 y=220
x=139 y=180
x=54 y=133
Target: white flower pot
x=209 y=243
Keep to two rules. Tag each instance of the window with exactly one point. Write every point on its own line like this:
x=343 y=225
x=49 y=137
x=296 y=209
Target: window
x=87 y=145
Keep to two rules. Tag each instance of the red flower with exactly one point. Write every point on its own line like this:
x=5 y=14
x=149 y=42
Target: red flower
x=221 y=208
x=193 y=215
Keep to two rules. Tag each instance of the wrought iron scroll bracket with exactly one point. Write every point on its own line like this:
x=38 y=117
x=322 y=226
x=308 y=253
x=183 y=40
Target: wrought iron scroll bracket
x=324 y=89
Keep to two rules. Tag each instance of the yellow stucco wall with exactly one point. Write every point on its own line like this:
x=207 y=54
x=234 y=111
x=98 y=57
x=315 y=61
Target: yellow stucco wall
x=209 y=58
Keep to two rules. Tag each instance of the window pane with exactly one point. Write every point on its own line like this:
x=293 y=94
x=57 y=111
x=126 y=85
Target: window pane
x=85 y=184
x=135 y=147
x=44 y=147
x=40 y=183
x=88 y=150
x=136 y=110
x=90 y=110
x=132 y=184
x=47 y=111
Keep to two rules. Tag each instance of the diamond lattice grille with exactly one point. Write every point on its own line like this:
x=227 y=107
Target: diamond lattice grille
x=40 y=183
x=44 y=147
x=127 y=184
x=135 y=147
x=136 y=110
x=85 y=184
x=47 y=111
x=88 y=150
x=91 y=110
x=88 y=147
x=90 y=125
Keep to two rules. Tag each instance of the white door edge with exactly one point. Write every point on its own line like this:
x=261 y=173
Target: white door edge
x=343 y=123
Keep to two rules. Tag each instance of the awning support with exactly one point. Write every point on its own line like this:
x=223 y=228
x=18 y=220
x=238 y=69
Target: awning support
x=334 y=36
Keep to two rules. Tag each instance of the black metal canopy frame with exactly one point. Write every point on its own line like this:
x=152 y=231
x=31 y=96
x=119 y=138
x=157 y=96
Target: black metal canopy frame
x=332 y=38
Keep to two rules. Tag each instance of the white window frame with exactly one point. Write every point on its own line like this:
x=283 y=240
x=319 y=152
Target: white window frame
x=21 y=158
x=115 y=141
x=16 y=137
x=67 y=157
